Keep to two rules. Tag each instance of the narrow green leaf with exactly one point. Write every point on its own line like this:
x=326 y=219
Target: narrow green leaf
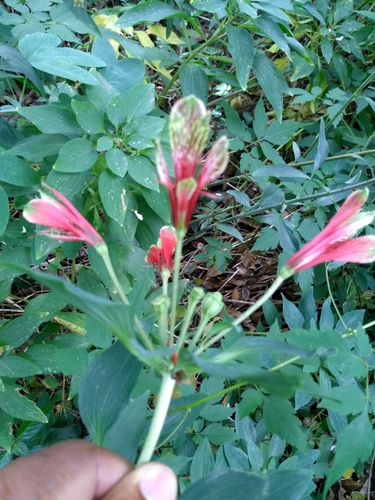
x=151 y=11
x=19 y=406
x=322 y=149
x=4 y=211
x=280 y=172
x=51 y=119
x=112 y=191
x=241 y=46
x=117 y=161
x=203 y=461
x=16 y=172
x=116 y=110
x=36 y=147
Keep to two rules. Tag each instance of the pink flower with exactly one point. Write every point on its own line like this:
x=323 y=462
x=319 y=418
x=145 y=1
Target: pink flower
x=161 y=254
x=64 y=221
x=335 y=242
x=188 y=129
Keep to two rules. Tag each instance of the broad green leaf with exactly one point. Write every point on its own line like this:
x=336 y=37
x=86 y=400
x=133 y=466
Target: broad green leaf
x=53 y=359
x=223 y=484
x=143 y=172
x=19 y=406
x=260 y=120
x=212 y=6
x=6 y=431
x=279 y=417
x=126 y=433
x=98 y=334
x=228 y=229
x=273 y=31
x=39 y=146
x=236 y=458
x=354 y=444
x=139 y=101
x=16 y=172
x=216 y=413
x=326 y=47
x=159 y=202
x=241 y=46
x=322 y=149
x=15 y=366
x=113 y=191
x=16 y=331
x=42 y=51
x=116 y=110
x=250 y=400
x=327 y=319
x=100 y=94
x=104 y=144
x=255 y=456
x=203 y=461
x=4 y=211
x=152 y=10
x=345 y=400
x=105 y=390
x=272 y=82
x=280 y=133
x=88 y=116
x=51 y=119
x=117 y=161
x=148 y=126
x=240 y=197
x=194 y=81
x=77 y=155
x=219 y=434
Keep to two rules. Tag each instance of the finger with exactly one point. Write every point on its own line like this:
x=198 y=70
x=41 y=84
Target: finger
x=74 y=470
x=152 y=481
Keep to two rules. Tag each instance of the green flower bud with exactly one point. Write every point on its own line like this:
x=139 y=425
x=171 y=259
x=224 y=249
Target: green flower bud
x=161 y=305
x=196 y=295
x=212 y=304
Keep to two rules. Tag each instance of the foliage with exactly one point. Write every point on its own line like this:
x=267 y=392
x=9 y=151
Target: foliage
x=290 y=85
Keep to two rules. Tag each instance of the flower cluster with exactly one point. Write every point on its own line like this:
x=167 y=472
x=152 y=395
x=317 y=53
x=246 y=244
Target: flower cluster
x=335 y=242
x=64 y=221
x=189 y=129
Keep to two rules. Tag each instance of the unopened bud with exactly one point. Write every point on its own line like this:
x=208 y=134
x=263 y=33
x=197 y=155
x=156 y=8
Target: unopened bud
x=212 y=304
x=161 y=305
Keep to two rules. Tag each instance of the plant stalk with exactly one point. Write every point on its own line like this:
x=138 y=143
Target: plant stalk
x=161 y=410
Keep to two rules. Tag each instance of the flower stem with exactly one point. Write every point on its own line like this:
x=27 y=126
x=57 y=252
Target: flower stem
x=176 y=274
x=161 y=409
x=268 y=294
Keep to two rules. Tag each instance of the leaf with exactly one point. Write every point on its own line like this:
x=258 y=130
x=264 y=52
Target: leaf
x=88 y=116
x=236 y=458
x=280 y=133
x=16 y=331
x=267 y=240
x=117 y=161
x=139 y=101
x=240 y=197
x=293 y=317
x=322 y=149
x=272 y=82
x=228 y=229
x=153 y=11
x=280 y=419
x=54 y=359
x=219 y=434
x=15 y=62
x=16 y=172
x=280 y=172
x=105 y=389
x=345 y=400
x=116 y=110
x=51 y=119
x=141 y=170
x=42 y=51
x=4 y=211
x=77 y=155
x=194 y=81
x=354 y=444
x=36 y=147
x=250 y=400
x=19 y=406
x=260 y=120
x=113 y=191
x=126 y=433
x=236 y=485
x=241 y=47
x=14 y=366
x=203 y=461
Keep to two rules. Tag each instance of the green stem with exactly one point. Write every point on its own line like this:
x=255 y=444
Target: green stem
x=102 y=250
x=158 y=419
x=176 y=274
x=268 y=294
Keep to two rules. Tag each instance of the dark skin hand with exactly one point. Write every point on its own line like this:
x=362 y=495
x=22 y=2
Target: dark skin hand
x=78 y=470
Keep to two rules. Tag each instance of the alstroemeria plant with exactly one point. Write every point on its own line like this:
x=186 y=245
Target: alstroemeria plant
x=189 y=130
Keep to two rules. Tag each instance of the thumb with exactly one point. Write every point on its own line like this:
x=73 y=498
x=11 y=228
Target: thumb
x=152 y=481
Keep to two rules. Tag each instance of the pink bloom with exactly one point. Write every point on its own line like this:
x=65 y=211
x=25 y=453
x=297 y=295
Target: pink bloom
x=188 y=130
x=335 y=242
x=64 y=221
x=161 y=254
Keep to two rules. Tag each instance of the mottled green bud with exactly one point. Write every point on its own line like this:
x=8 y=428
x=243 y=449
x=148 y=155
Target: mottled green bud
x=161 y=305
x=212 y=304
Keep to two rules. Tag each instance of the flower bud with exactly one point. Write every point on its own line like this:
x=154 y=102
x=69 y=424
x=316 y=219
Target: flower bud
x=212 y=304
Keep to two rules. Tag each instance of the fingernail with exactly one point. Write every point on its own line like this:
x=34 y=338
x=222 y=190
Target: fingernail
x=158 y=483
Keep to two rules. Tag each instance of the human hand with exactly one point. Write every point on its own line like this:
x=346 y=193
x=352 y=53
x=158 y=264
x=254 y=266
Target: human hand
x=79 y=470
